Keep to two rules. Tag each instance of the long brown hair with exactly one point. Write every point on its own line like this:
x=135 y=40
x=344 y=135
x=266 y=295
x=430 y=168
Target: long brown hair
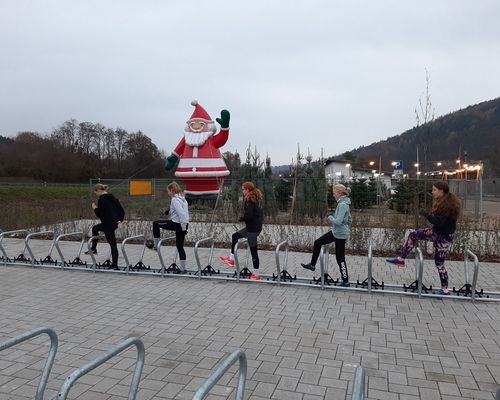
x=253 y=195
x=448 y=205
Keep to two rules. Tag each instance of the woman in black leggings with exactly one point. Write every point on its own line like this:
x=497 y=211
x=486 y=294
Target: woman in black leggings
x=109 y=210
x=178 y=221
x=253 y=219
x=341 y=223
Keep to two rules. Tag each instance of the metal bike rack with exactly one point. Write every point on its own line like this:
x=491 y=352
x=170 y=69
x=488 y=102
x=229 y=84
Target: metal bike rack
x=466 y=289
x=8 y=233
x=140 y=264
x=236 y=259
x=95 y=265
x=64 y=235
x=238 y=355
x=358 y=385
x=325 y=281
x=30 y=251
x=325 y=277
x=476 y=273
x=370 y=282
x=282 y=271
x=173 y=266
x=208 y=268
x=134 y=386
x=50 y=358
x=419 y=258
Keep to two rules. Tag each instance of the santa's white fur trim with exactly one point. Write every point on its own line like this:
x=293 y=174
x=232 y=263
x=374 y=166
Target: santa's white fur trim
x=195 y=174
x=194 y=103
x=202 y=191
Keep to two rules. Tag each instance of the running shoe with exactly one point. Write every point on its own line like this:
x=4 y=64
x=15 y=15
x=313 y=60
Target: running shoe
x=396 y=261
x=255 y=277
x=91 y=251
x=150 y=245
x=227 y=260
x=443 y=292
x=308 y=266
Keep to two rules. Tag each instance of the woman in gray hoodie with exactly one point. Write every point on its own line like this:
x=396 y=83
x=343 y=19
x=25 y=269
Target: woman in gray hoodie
x=178 y=221
x=341 y=222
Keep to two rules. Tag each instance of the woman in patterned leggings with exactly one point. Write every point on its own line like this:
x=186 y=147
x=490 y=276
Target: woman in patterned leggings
x=445 y=212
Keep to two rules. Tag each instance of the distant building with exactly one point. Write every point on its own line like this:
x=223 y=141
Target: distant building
x=339 y=170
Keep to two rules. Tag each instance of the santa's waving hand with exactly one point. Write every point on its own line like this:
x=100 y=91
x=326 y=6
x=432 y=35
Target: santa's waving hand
x=201 y=166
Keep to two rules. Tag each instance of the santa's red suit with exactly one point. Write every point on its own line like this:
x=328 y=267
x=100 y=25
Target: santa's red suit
x=201 y=166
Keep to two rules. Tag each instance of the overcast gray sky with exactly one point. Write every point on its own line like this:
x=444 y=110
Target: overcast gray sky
x=326 y=74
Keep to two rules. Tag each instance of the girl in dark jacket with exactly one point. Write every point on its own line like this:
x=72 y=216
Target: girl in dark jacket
x=111 y=213
x=445 y=212
x=253 y=219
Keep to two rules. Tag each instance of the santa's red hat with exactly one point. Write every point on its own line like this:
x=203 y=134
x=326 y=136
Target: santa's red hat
x=199 y=113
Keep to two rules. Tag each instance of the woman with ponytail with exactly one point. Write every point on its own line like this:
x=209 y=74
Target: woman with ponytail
x=341 y=222
x=253 y=219
x=109 y=210
x=444 y=215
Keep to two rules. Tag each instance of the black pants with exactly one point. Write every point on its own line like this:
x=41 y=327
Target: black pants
x=180 y=235
x=339 y=252
x=252 y=243
x=110 y=237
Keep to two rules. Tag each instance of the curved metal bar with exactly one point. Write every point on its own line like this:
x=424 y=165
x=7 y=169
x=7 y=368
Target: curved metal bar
x=419 y=257
x=89 y=247
x=50 y=358
x=466 y=267
x=125 y=241
x=277 y=256
x=134 y=386
x=238 y=355
x=56 y=244
x=196 y=255
x=323 y=262
x=370 y=268
x=28 y=238
x=358 y=386
x=236 y=260
x=475 y=274
x=4 y=234
x=158 y=250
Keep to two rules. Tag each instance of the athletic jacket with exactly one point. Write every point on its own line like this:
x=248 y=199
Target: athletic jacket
x=179 y=211
x=109 y=211
x=341 y=220
x=441 y=224
x=253 y=217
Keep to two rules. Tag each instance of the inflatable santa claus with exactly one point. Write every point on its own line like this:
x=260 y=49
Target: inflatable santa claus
x=201 y=166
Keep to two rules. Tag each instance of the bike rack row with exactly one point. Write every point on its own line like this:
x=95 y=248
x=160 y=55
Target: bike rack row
x=241 y=273
x=358 y=390
x=68 y=383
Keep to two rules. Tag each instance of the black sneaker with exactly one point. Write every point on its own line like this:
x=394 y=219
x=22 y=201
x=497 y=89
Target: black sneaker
x=91 y=251
x=344 y=284
x=150 y=245
x=308 y=266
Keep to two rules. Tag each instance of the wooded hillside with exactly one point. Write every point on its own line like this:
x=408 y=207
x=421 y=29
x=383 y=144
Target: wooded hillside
x=474 y=130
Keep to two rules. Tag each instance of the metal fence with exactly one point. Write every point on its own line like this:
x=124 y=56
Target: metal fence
x=303 y=201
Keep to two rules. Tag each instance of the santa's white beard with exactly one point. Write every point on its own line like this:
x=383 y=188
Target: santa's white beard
x=196 y=138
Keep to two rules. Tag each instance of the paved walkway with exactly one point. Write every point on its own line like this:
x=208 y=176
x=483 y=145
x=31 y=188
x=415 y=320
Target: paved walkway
x=301 y=343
